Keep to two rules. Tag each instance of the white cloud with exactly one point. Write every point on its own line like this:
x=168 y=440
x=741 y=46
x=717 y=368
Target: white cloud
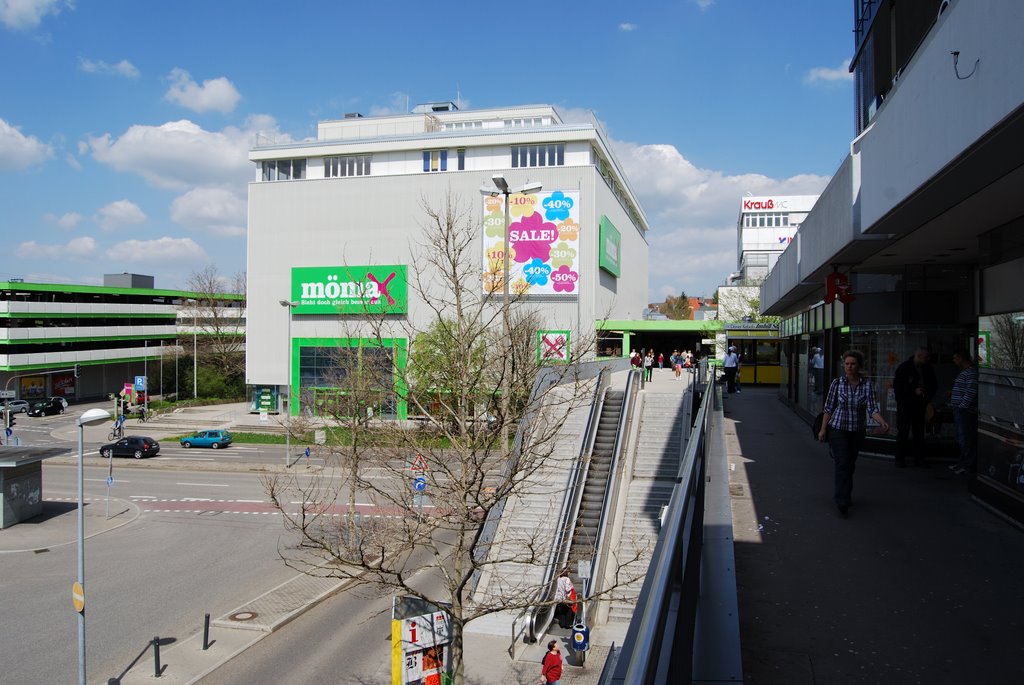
x=704 y=4
x=692 y=214
x=122 y=68
x=77 y=248
x=66 y=221
x=180 y=155
x=119 y=213
x=164 y=249
x=216 y=210
x=627 y=27
x=73 y=162
x=217 y=94
x=826 y=75
x=18 y=151
x=27 y=14
x=399 y=104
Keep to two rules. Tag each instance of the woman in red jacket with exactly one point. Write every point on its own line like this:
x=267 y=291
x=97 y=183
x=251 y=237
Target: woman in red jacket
x=551 y=667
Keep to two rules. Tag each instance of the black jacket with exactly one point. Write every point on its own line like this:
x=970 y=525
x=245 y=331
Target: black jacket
x=909 y=377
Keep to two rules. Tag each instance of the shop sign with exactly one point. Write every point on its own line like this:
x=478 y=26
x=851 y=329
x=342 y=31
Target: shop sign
x=553 y=346
x=420 y=643
x=544 y=238
x=381 y=289
x=611 y=244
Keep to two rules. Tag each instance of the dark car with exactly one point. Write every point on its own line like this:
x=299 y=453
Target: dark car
x=137 y=446
x=214 y=439
x=47 y=407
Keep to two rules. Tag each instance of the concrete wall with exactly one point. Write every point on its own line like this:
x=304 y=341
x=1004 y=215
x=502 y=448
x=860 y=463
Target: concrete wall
x=930 y=116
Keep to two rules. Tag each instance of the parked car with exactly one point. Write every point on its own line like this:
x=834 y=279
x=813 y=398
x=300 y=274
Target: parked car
x=47 y=407
x=214 y=439
x=15 y=406
x=137 y=446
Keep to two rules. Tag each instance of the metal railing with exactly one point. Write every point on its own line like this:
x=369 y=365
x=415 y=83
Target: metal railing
x=658 y=647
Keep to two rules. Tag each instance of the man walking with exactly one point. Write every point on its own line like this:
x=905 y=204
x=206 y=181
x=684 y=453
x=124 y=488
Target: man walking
x=914 y=386
x=730 y=366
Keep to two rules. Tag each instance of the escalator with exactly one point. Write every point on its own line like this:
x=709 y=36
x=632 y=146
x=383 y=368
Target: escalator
x=588 y=521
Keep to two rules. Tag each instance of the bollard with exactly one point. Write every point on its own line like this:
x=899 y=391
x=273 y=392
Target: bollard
x=156 y=657
x=206 y=632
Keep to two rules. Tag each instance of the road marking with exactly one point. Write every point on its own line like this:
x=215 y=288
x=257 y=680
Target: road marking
x=104 y=480
x=253 y=501
x=187 y=458
x=152 y=497
x=206 y=485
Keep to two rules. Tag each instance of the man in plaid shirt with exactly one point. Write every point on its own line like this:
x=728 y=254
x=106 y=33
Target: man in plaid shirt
x=850 y=397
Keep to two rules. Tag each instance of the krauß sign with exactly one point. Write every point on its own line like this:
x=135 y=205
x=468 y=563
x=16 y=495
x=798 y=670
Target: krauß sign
x=380 y=289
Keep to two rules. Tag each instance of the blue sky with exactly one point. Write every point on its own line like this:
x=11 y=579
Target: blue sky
x=125 y=125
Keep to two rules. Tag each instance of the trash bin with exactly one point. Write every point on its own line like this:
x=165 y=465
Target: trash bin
x=580 y=637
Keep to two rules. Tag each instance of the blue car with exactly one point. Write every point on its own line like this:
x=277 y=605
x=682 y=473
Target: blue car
x=212 y=439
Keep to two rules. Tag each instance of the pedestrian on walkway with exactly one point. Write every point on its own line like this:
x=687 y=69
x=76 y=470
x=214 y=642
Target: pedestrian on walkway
x=730 y=365
x=635 y=359
x=850 y=397
x=649 y=365
x=964 y=401
x=565 y=595
x=914 y=386
x=661 y=360
x=677 y=363
x=551 y=666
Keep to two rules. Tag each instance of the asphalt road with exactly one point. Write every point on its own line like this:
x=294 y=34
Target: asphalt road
x=156 y=576
x=345 y=639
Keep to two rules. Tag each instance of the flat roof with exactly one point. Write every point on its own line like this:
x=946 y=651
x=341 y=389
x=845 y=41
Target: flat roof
x=653 y=326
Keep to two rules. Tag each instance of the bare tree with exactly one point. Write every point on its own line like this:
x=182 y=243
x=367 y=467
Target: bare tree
x=458 y=364
x=218 y=309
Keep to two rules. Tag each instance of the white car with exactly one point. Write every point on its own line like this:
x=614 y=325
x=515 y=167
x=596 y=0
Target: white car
x=15 y=406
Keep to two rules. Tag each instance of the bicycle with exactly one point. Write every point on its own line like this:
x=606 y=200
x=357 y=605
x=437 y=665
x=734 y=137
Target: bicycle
x=143 y=417
x=117 y=433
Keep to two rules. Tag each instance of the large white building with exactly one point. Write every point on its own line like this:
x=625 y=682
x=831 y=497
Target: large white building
x=331 y=220
x=765 y=228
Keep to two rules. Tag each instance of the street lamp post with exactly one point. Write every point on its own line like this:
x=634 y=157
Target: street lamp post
x=88 y=418
x=501 y=187
x=195 y=349
x=288 y=414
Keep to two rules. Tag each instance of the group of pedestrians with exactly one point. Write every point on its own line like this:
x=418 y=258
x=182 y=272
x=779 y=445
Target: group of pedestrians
x=852 y=398
x=677 y=361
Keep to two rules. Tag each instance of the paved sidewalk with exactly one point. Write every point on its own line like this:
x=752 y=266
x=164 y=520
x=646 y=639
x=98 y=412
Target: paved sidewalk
x=919 y=585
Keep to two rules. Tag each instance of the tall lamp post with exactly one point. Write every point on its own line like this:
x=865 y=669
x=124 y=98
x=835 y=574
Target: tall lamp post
x=501 y=187
x=288 y=414
x=195 y=349
x=89 y=418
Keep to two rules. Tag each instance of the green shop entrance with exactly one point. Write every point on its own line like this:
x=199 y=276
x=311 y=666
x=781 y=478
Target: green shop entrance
x=336 y=377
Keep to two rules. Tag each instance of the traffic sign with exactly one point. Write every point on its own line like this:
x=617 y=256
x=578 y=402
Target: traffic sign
x=7 y=394
x=419 y=484
x=140 y=382
x=78 y=597
x=110 y=481
x=8 y=431
x=419 y=464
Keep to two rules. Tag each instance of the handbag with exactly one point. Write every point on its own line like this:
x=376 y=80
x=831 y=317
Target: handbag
x=816 y=425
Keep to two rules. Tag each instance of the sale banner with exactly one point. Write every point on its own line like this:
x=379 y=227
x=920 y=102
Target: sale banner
x=543 y=243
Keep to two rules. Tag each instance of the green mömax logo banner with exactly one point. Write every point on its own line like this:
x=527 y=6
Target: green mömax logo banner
x=610 y=246
x=350 y=289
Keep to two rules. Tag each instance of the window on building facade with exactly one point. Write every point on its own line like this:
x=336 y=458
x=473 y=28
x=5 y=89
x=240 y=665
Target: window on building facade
x=525 y=121
x=353 y=165
x=461 y=152
x=435 y=160
x=462 y=125
x=538 y=155
x=765 y=220
x=283 y=169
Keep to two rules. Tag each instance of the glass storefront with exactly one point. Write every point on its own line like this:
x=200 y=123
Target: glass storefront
x=1001 y=400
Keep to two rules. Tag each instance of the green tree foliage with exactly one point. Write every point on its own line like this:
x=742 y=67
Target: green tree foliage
x=677 y=308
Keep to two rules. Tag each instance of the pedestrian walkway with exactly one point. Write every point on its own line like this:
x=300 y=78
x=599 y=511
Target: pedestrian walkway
x=919 y=585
